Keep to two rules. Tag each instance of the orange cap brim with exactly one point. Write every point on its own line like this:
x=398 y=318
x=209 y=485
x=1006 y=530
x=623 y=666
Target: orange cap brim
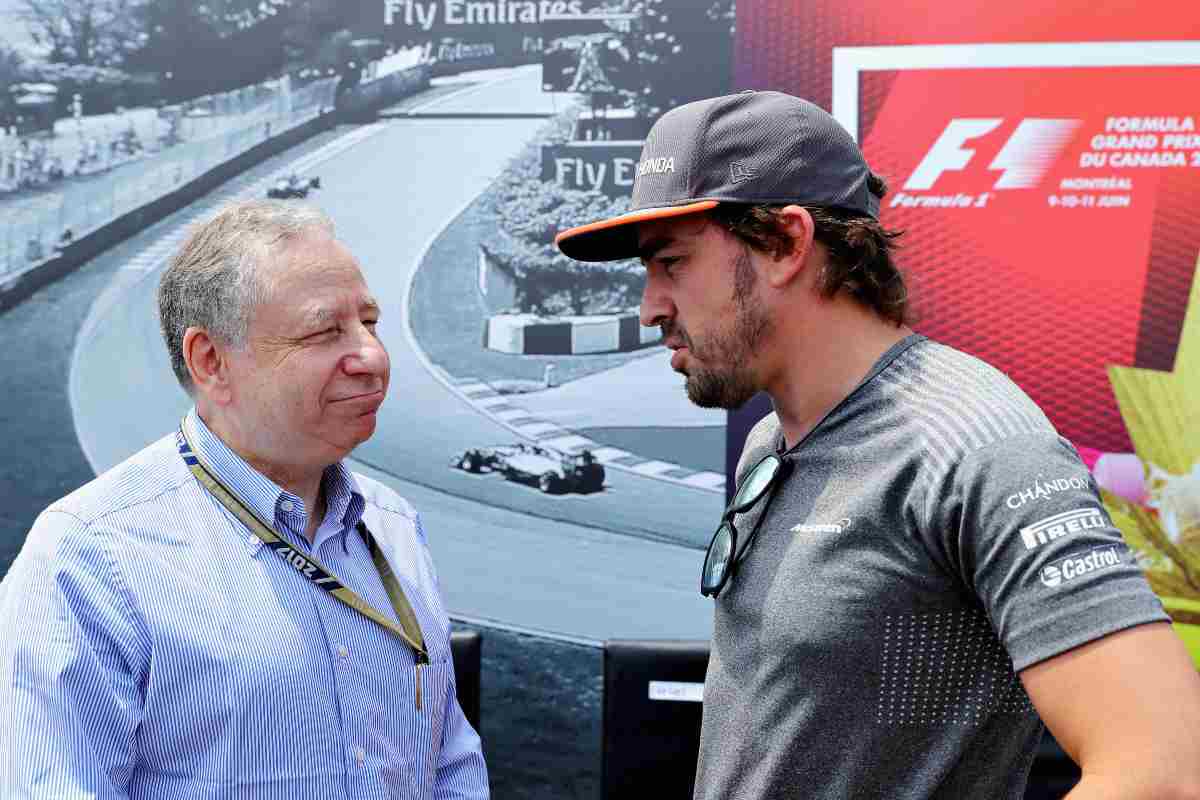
x=616 y=238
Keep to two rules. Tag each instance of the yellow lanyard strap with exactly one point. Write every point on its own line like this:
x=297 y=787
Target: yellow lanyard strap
x=409 y=629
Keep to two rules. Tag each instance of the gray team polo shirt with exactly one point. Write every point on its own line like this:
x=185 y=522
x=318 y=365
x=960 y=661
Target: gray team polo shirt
x=934 y=536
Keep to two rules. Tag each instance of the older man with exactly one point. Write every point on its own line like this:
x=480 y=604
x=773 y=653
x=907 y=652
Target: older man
x=232 y=612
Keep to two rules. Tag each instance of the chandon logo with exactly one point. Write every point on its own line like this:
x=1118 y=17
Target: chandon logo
x=1022 y=161
x=1044 y=489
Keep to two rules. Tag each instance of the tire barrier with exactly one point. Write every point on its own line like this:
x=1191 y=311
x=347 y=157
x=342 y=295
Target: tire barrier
x=529 y=334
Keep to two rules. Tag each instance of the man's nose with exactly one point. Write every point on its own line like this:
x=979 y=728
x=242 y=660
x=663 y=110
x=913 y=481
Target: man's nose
x=369 y=356
x=656 y=303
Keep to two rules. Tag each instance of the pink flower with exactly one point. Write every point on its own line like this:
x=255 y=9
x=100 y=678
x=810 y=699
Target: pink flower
x=1122 y=474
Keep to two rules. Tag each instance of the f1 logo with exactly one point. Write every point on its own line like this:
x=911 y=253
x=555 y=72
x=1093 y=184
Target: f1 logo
x=1029 y=152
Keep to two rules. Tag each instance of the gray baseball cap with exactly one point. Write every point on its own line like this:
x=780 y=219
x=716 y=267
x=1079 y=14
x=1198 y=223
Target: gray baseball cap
x=750 y=147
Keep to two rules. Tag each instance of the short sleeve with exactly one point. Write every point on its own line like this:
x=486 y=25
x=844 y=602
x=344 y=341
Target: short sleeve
x=1022 y=524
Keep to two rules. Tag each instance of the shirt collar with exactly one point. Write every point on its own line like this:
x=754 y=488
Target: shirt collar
x=264 y=497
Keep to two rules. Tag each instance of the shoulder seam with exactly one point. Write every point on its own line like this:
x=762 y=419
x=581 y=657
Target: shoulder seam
x=961 y=458
x=133 y=504
x=409 y=514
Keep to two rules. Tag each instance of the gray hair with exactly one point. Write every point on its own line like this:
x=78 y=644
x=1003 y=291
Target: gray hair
x=217 y=278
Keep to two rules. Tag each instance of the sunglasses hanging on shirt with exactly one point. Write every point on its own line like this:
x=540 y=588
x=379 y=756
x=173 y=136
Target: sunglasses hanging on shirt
x=722 y=555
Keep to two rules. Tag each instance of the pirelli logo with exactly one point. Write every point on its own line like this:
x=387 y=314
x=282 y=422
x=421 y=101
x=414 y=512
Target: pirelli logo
x=1059 y=525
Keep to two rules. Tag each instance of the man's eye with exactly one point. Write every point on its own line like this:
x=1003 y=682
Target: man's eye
x=669 y=263
x=370 y=323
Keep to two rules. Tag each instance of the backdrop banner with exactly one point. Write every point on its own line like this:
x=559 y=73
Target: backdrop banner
x=1045 y=173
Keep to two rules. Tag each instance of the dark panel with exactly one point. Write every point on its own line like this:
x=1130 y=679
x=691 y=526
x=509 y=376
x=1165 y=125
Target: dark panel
x=466 y=648
x=548 y=340
x=649 y=747
x=629 y=334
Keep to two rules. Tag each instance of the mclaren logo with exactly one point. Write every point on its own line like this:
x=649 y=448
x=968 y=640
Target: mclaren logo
x=828 y=527
x=1051 y=528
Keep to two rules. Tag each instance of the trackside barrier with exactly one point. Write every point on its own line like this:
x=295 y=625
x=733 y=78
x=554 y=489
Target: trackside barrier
x=529 y=334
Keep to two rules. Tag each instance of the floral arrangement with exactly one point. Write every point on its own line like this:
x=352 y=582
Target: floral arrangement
x=1154 y=496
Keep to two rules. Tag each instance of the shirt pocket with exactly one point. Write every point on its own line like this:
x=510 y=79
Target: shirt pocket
x=435 y=686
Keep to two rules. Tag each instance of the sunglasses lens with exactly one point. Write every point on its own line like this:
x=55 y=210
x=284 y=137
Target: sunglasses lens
x=716 y=562
x=756 y=482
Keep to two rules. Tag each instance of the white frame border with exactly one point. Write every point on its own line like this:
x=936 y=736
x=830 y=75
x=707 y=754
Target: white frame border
x=850 y=62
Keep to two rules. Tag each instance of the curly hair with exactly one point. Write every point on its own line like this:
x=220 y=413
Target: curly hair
x=860 y=250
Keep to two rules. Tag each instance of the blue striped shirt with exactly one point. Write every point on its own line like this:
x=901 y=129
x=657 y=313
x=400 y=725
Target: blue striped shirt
x=152 y=647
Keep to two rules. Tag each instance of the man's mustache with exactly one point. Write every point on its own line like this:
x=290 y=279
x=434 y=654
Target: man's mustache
x=672 y=330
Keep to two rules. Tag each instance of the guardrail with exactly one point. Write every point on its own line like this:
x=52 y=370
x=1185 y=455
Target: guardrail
x=110 y=186
x=98 y=212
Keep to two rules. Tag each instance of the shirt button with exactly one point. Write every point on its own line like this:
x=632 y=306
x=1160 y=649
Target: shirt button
x=287 y=505
x=342 y=652
x=360 y=756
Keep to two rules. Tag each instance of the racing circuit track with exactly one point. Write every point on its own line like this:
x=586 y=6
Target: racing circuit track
x=578 y=567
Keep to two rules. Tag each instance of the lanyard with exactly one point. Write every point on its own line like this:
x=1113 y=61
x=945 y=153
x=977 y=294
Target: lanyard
x=409 y=629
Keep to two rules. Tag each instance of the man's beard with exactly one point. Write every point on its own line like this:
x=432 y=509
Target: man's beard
x=729 y=383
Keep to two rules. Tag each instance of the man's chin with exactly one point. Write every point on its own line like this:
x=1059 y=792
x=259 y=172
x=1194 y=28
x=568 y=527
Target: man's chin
x=707 y=391
x=357 y=430
x=365 y=427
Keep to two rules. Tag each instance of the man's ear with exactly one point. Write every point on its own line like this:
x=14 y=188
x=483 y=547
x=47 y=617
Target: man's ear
x=208 y=364
x=796 y=222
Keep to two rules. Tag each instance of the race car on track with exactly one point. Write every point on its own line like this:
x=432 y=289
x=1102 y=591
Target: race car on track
x=293 y=187
x=551 y=471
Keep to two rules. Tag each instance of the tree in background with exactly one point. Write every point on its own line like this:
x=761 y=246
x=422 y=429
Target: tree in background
x=173 y=50
x=179 y=36
x=197 y=48
x=169 y=49
x=13 y=70
x=242 y=15
x=86 y=44
x=548 y=282
x=101 y=89
x=97 y=33
x=669 y=33
x=529 y=213
x=316 y=36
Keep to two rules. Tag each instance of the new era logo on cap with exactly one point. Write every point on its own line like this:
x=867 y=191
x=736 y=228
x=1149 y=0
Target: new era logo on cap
x=739 y=171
